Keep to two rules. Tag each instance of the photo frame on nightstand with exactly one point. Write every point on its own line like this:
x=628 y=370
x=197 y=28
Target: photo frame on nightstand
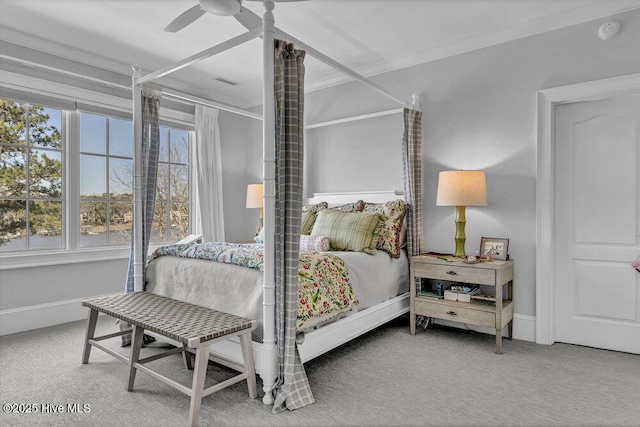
x=496 y=248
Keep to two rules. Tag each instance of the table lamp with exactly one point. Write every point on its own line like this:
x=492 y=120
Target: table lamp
x=461 y=189
x=254 y=200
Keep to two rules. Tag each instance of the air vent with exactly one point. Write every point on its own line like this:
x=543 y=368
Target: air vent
x=226 y=81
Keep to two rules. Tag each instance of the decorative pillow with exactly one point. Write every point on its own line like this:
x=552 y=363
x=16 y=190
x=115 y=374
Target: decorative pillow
x=314 y=244
x=315 y=208
x=349 y=207
x=308 y=219
x=391 y=234
x=349 y=231
x=260 y=237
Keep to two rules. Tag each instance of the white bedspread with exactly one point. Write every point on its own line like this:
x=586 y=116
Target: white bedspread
x=238 y=290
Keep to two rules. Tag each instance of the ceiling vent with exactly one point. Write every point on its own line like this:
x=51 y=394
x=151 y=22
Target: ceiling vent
x=226 y=81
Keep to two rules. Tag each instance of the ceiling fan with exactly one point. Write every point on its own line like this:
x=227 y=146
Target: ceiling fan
x=218 y=7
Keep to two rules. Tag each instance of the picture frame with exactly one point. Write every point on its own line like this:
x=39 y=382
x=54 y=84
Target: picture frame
x=496 y=248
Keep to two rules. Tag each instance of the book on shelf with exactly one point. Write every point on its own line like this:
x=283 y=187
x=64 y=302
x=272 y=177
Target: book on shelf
x=461 y=293
x=429 y=294
x=483 y=299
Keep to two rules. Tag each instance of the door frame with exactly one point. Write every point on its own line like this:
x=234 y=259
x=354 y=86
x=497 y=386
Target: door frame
x=548 y=99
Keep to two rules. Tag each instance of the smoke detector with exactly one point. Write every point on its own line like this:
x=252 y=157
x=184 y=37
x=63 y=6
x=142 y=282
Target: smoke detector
x=608 y=30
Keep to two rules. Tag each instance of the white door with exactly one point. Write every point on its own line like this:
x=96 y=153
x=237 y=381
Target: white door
x=597 y=223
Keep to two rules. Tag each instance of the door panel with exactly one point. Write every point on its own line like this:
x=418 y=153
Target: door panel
x=597 y=223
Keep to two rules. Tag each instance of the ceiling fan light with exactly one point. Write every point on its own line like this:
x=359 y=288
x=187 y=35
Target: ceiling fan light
x=221 y=7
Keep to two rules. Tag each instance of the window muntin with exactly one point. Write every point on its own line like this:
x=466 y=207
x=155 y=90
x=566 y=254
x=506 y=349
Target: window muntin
x=31 y=177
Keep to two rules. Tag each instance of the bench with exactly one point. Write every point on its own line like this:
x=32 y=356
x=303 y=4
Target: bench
x=194 y=326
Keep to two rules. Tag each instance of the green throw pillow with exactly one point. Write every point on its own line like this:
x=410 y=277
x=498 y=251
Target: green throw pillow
x=349 y=231
x=308 y=219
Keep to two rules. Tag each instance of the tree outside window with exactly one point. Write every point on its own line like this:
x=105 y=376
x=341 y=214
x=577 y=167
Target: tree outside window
x=31 y=194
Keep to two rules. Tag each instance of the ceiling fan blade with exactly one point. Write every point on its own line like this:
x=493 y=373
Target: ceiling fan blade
x=248 y=19
x=184 y=19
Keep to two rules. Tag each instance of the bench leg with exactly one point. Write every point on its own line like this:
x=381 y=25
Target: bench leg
x=249 y=366
x=91 y=329
x=186 y=356
x=197 y=387
x=136 y=343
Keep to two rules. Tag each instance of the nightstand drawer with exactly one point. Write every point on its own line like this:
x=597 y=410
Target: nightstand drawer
x=456 y=273
x=456 y=312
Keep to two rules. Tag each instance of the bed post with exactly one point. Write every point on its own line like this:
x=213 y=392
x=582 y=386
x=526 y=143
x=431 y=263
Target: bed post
x=137 y=179
x=269 y=358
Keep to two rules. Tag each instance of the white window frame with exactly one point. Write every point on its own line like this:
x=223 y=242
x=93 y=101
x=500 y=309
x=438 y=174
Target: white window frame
x=72 y=254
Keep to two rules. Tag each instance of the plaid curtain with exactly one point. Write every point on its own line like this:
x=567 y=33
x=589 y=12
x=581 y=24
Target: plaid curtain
x=412 y=177
x=150 y=143
x=292 y=388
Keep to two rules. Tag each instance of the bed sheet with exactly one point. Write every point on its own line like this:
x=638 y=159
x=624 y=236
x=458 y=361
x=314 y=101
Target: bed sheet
x=238 y=290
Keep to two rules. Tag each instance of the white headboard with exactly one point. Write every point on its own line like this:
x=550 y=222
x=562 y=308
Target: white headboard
x=335 y=199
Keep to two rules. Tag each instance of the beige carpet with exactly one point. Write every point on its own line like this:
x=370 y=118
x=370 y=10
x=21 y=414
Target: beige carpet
x=441 y=376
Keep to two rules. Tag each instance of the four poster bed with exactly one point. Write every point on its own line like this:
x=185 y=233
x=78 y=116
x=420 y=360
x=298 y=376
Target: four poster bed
x=277 y=357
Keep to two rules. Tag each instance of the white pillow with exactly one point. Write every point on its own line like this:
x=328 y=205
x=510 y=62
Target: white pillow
x=314 y=243
x=260 y=237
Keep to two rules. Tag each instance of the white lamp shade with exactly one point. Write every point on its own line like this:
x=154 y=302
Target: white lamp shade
x=462 y=188
x=254 y=195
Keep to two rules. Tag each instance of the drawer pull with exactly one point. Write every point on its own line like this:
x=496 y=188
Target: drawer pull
x=452 y=313
x=453 y=273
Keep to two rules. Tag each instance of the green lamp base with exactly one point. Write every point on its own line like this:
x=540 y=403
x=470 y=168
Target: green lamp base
x=460 y=238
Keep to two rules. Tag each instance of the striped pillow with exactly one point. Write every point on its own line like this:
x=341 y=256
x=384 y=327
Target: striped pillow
x=349 y=231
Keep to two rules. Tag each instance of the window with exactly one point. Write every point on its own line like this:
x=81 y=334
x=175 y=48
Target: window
x=106 y=180
x=31 y=174
x=171 y=214
x=39 y=152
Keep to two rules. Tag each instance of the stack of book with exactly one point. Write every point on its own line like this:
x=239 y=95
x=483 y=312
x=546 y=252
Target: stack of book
x=483 y=299
x=461 y=293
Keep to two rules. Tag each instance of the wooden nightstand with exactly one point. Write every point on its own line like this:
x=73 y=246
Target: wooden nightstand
x=495 y=273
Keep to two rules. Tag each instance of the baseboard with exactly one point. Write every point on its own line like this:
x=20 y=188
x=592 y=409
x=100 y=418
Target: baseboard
x=524 y=327
x=22 y=319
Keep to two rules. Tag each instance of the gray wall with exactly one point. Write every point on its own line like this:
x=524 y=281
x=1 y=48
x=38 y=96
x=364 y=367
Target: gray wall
x=479 y=113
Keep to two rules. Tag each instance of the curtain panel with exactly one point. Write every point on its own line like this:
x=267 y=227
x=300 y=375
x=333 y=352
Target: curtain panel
x=292 y=388
x=209 y=171
x=150 y=148
x=412 y=178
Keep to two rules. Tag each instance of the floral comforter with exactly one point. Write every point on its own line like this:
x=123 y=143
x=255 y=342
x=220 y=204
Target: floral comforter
x=324 y=290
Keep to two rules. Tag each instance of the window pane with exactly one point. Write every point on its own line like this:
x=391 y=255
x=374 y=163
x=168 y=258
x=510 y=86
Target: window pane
x=121 y=179
x=93 y=133
x=160 y=227
x=13 y=122
x=179 y=146
x=13 y=225
x=179 y=183
x=45 y=127
x=93 y=179
x=93 y=223
x=120 y=221
x=120 y=137
x=163 y=154
x=45 y=225
x=179 y=220
x=13 y=174
x=45 y=174
x=163 y=183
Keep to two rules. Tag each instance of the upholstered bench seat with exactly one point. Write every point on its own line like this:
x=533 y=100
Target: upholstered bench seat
x=194 y=326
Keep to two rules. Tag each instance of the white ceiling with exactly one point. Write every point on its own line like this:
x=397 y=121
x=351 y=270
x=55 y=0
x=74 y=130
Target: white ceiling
x=368 y=36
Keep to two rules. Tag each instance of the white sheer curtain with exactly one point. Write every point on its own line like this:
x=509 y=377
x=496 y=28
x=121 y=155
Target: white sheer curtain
x=209 y=171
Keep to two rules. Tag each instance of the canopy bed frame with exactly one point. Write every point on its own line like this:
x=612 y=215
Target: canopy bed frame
x=320 y=340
